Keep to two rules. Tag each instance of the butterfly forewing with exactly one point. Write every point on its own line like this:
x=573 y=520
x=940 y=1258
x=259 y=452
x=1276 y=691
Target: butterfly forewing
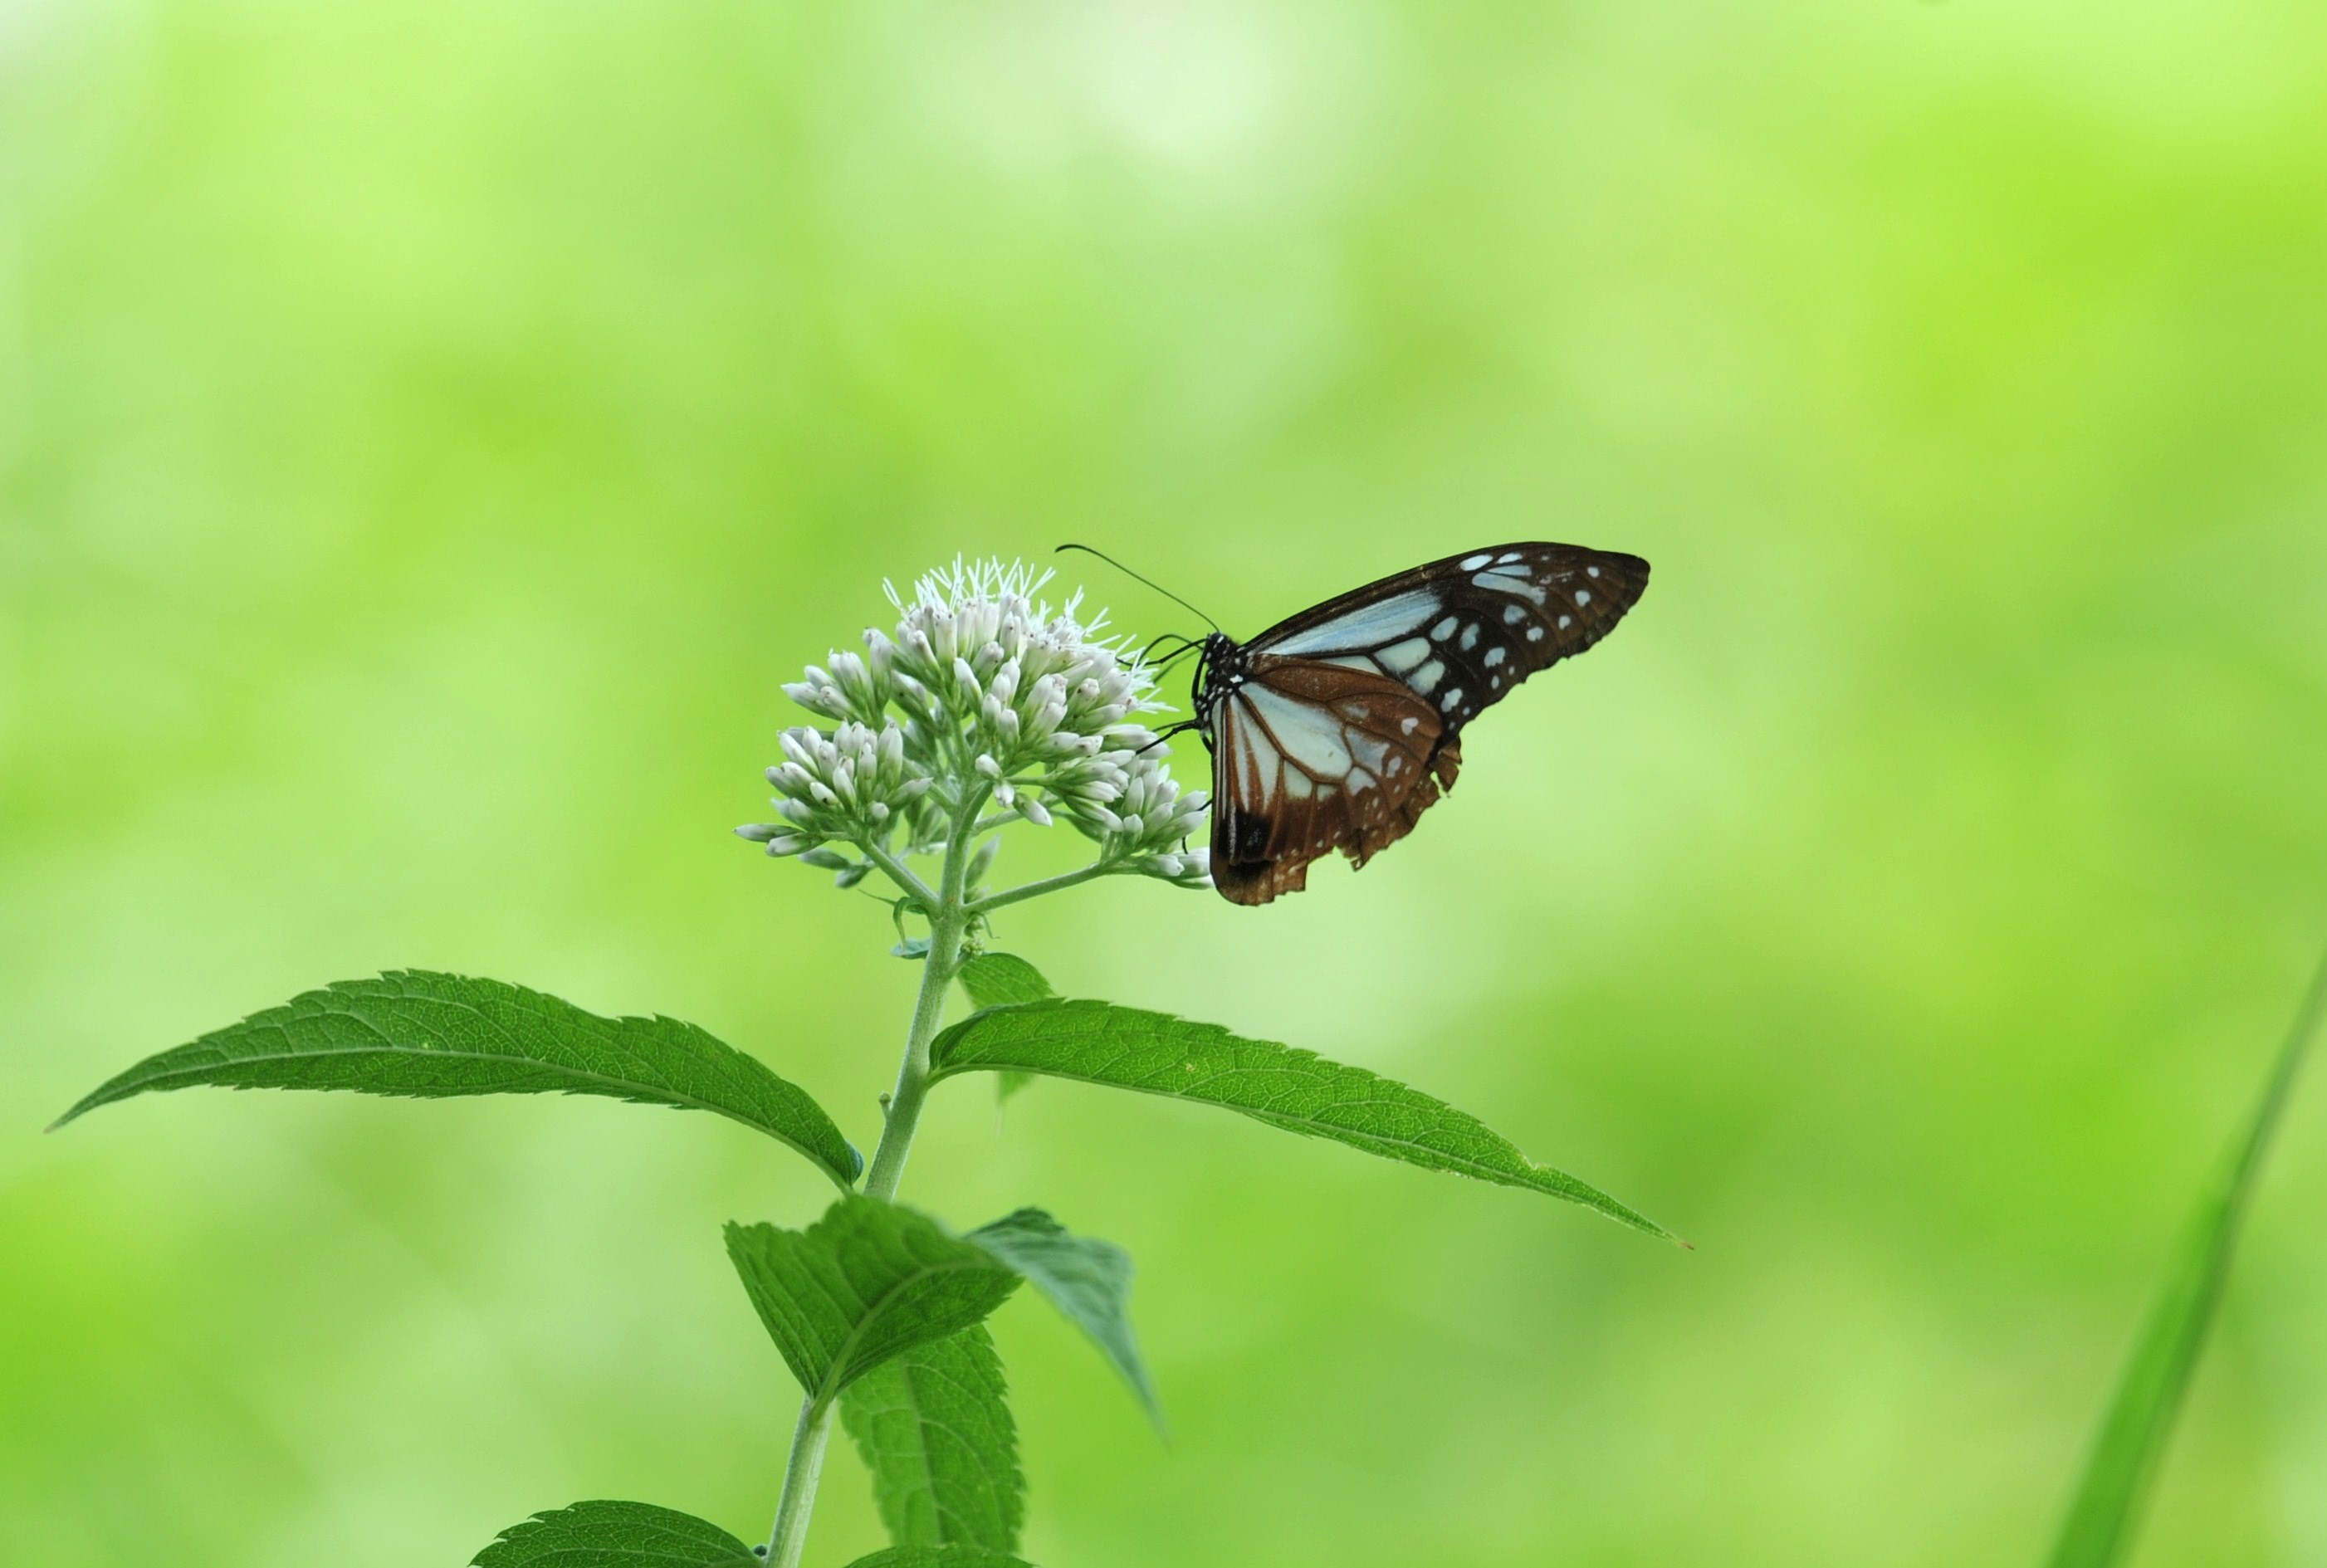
x=1465 y=630
x=1337 y=728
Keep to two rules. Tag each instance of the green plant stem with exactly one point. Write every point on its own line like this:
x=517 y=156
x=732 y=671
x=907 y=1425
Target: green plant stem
x=901 y=874
x=1050 y=885
x=945 y=928
x=801 y=1472
x=949 y=919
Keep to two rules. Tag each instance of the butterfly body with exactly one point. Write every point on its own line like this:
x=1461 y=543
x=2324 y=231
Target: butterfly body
x=1337 y=728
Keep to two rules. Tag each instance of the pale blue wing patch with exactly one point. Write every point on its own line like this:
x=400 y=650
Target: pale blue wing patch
x=1311 y=737
x=1369 y=626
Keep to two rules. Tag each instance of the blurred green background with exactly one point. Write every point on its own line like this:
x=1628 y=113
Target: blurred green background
x=429 y=433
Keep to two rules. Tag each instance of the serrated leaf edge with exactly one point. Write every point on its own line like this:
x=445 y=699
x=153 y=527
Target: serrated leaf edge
x=113 y=1090
x=1559 y=1184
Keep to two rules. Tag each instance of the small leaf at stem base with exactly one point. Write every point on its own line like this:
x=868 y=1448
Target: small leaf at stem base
x=939 y=1557
x=934 y=1428
x=611 y=1534
x=867 y=1282
x=1087 y=1279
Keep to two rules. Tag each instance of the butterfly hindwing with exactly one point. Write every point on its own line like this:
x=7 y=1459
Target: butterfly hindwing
x=1337 y=728
x=1311 y=757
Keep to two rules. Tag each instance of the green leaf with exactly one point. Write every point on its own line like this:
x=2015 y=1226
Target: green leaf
x=432 y=1036
x=1087 y=1279
x=1158 y=1054
x=602 y=1535
x=867 y=1282
x=999 y=979
x=2124 y=1458
x=934 y=1427
x=939 y=1557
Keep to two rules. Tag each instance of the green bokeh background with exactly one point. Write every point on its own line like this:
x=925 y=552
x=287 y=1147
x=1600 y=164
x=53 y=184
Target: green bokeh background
x=430 y=432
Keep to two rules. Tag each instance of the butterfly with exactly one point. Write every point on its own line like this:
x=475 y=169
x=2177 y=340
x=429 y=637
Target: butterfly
x=1338 y=728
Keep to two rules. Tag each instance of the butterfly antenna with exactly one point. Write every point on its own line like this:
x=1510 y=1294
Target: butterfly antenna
x=1135 y=577
x=1164 y=734
x=1183 y=647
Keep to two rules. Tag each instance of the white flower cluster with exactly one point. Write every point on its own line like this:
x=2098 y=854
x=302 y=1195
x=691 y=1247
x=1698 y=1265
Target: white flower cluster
x=982 y=693
x=853 y=784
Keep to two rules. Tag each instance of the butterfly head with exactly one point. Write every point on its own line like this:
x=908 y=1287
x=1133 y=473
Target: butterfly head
x=1219 y=670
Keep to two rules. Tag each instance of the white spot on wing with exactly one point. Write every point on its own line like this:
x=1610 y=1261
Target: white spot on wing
x=1592 y=571
x=1508 y=558
x=1470 y=637
x=1472 y=563
x=1425 y=679
x=1582 y=597
x=1495 y=656
x=1534 y=634
x=1502 y=584
x=1565 y=622
x=1402 y=656
x=1513 y=615
x=1406 y=725
x=1445 y=629
x=1453 y=694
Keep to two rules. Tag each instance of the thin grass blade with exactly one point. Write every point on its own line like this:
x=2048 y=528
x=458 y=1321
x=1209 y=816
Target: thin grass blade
x=2098 y=1530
